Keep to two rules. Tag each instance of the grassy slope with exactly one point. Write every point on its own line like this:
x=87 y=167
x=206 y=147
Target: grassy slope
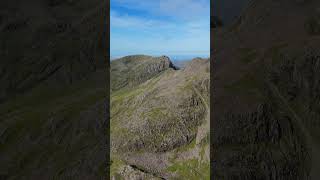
x=125 y=104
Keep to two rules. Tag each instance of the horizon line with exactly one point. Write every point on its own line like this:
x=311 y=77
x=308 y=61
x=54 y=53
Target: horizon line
x=158 y=55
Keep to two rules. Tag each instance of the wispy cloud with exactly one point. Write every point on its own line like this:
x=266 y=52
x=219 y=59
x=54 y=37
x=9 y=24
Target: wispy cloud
x=186 y=9
x=142 y=33
x=135 y=22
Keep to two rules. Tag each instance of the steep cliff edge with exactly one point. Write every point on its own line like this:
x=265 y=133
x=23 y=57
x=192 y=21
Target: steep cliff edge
x=133 y=70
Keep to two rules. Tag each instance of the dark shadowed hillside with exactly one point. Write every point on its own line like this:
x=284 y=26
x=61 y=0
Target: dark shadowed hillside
x=53 y=97
x=228 y=10
x=266 y=87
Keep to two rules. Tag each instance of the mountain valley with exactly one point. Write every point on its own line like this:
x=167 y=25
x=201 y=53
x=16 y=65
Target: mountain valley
x=159 y=118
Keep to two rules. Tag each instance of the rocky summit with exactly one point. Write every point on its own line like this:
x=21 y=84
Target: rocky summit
x=159 y=118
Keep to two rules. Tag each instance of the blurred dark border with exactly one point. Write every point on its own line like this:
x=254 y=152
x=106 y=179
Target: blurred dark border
x=211 y=86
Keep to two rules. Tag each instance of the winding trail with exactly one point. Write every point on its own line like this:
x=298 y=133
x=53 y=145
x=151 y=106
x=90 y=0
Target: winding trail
x=312 y=145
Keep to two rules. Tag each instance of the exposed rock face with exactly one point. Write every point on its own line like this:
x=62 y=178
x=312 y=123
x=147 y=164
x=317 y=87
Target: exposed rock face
x=129 y=173
x=265 y=92
x=130 y=71
x=159 y=111
x=53 y=103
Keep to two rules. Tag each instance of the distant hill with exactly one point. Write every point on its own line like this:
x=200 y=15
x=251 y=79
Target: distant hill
x=181 y=63
x=130 y=71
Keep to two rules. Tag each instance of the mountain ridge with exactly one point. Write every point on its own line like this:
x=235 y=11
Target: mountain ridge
x=153 y=119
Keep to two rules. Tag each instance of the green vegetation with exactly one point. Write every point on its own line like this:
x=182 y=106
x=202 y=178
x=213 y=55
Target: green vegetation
x=131 y=71
x=156 y=112
x=159 y=111
x=116 y=163
x=205 y=140
x=191 y=169
x=186 y=147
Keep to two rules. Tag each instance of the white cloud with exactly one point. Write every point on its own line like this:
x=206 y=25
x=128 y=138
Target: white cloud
x=135 y=22
x=185 y=9
x=187 y=33
x=126 y=21
x=140 y=23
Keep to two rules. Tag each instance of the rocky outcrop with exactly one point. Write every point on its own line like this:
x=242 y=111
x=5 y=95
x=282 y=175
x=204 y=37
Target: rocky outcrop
x=160 y=114
x=133 y=70
x=132 y=173
x=157 y=110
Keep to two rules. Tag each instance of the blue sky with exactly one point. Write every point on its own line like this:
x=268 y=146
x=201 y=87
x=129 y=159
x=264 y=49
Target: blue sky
x=177 y=28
